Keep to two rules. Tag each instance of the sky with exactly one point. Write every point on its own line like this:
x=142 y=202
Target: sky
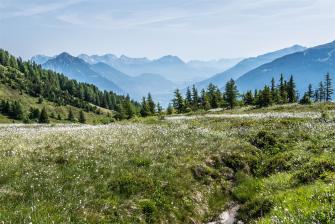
x=190 y=29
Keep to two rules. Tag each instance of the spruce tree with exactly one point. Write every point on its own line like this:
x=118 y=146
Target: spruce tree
x=43 y=116
x=310 y=91
x=248 y=98
x=322 y=92
x=231 y=94
x=195 y=98
x=159 y=109
x=145 y=111
x=188 y=98
x=151 y=105
x=178 y=102
x=70 y=116
x=291 y=91
x=328 y=88
x=204 y=100
x=82 y=118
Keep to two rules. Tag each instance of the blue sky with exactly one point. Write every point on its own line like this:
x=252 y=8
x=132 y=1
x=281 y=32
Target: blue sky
x=191 y=29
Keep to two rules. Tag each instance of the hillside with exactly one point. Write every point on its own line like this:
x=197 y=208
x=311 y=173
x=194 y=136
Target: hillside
x=247 y=65
x=54 y=110
x=165 y=171
x=309 y=66
x=31 y=80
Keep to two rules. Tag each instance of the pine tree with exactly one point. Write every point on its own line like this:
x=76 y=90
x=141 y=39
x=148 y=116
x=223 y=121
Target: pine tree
x=231 y=94
x=178 y=102
x=310 y=91
x=322 y=92
x=17 y=110
x=265 y=97
x=151 y=105
x=159 y=109
x=291 y=91
x=188 y=98
x=70 y=115
x=305 y=99
x=195 y=98
x=82 y=118
x=204 y=100
x=43 y=116
x=145 y=111
x=248 y=98
x=328 y=88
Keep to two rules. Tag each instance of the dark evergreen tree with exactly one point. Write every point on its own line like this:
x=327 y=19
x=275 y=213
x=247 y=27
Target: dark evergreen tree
x=70 y=116
x=195 y=98
x=231 y=94
x=204 y=102
x=151 y=105
x=145 y=110
x=82 y=118
x=291 y=91
x=310 y=91
x=248 y=98
x=322 y=92
x=44 y=118
x=178 y=102
x=328 y=88
x=169 y=109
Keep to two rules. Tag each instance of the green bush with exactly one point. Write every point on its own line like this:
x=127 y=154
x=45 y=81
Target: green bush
x=313 y=170
x=264 y=140
x=254 y=209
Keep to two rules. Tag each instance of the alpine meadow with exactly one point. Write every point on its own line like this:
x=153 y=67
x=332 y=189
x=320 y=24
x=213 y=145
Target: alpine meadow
x=101 y=122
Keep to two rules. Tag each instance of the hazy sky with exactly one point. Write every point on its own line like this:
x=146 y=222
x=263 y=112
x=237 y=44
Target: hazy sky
x=191 y=29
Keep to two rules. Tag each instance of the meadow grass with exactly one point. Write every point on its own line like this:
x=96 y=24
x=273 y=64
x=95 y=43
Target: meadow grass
x=279 y=170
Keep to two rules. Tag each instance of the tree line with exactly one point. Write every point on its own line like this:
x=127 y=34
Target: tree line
x=283 y=93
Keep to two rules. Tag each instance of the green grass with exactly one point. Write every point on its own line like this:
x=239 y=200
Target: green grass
x=280 y=170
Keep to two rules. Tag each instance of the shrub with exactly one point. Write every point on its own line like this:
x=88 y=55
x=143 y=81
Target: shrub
x=313 y=170
x=264 y=140
x=254 y=209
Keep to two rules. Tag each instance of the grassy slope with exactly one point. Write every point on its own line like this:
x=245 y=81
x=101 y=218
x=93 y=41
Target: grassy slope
x=28 y=101
x=278 y=170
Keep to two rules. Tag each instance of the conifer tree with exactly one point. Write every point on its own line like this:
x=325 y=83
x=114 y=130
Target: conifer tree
x=82 y=118
x=195 y=98
x=310 y=91
x=151 y=105
x=43 y=116
x=291 y=91
x=204 y=100
x=188 y=98
x=145 y=111
x=248 y=98
x=178 y=102
x=231 y=94
x=328 y=88
x=159 y=109
x=70 y=115
x=322 y=92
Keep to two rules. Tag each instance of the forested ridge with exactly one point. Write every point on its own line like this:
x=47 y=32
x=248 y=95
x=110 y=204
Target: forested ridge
x=30 y=78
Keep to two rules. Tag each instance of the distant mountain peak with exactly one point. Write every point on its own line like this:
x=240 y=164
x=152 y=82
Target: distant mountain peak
x=170 y=59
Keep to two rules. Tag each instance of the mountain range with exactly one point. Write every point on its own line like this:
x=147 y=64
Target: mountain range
x=138 y=76
x=170 y=67
x=308 y=67
x=247 y=65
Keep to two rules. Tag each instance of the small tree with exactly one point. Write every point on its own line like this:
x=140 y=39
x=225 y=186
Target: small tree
x=44 y=118
x=305 y=99
x=178 y=102
x=328 y=88
x=169 y=109
x=70 y=115
x=231 y=94
x=82 y=118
